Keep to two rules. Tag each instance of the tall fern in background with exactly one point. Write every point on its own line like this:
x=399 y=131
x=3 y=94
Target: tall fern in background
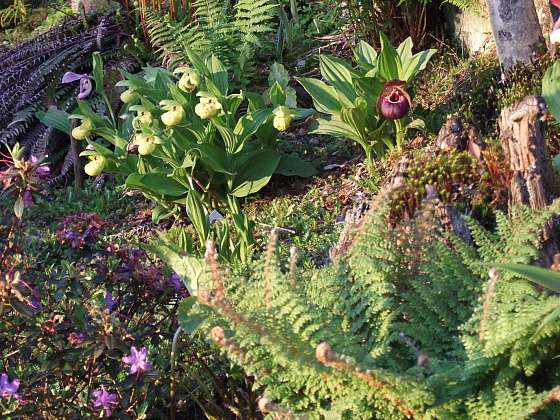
x=234 y=33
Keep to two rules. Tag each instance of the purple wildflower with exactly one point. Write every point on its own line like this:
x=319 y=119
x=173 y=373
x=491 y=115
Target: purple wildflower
x=138 y=360
x=110 y=302
x=43 y=170
x=35 y=302
x=104 y=399
x=27 y=198
x=86 y=86
x=8 y=389
x=175 y=280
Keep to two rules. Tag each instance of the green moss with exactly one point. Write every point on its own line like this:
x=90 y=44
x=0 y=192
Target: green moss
x=457 y=177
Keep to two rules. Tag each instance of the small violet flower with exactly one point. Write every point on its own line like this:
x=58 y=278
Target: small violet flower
x=104 y=399
x=8 y=389
x=42 y=170
x=27 y=198
x=85 y=83
x=138 y=360
x=110 y=302
x=175 y=280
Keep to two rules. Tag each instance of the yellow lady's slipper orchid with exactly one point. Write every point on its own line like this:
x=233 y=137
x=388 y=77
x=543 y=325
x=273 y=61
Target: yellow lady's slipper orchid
x=175 y=113
x=208 y=107
x=95 y=165
x=143 y=117
x=129 y=96
x=146 y=143
x=282 y=118
x=83 y=130
x=190 y=79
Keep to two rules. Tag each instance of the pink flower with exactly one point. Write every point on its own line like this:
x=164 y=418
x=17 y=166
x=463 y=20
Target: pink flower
x=76 y=339
x=8 y=389
x=104 y=399
x=138 y=360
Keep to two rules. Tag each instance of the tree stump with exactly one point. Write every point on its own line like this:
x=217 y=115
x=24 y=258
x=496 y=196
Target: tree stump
x=533 y=181
x=524 y=146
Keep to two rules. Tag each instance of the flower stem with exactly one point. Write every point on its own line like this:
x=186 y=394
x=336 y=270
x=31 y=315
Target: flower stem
x=173 y=385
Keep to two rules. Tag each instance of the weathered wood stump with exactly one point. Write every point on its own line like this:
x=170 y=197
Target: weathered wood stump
x=523 y=142
x=533 y=181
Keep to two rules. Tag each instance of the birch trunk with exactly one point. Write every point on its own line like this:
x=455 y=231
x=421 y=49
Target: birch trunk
x=516 y=29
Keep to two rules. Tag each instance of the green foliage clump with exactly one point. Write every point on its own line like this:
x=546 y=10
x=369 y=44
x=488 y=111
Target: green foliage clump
x=467 y=88
x=406 y=325
x=188 y=148
x=368 y=104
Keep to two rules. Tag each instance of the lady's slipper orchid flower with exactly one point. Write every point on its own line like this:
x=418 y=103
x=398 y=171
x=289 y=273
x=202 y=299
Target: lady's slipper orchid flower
x=128 y=96
x=86 y=86
x=146 y=143
x=83 y=130
x=394 y=101
x=96 y=165
x=208 y=107
x=175 y=113
x=143 y=117
x=282 y=118
x=190 y=79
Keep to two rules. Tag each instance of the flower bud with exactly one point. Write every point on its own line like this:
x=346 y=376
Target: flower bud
x=146 y=143
x=174 y=115
x=282 y=118
x=95 y=165
x=129 y=96
x=83 y=130
x=394 y=102
x=208 y=107
x=189 y=80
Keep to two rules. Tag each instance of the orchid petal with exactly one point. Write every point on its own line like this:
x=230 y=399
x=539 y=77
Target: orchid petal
x=70 y=77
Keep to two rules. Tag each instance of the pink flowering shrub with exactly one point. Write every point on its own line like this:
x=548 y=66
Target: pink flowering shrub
x=93 y=339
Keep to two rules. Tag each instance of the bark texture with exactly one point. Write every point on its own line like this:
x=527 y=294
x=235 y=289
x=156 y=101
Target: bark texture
x=545 y=17
x=533 y=181
x=523 y=142
x=516 y=29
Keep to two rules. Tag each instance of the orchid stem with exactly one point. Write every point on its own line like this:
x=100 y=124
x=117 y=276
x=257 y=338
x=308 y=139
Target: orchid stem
x=173 y=386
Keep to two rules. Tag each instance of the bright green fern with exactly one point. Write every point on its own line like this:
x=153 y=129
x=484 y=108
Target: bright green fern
x=409 y=324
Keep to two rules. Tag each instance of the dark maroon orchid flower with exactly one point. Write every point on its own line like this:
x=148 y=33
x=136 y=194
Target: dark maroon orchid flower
x=86 y=85
x=394 y=101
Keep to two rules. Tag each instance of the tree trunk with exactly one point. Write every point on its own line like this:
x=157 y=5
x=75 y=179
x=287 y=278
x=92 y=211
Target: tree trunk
x=545 y=17
x=517 y=31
